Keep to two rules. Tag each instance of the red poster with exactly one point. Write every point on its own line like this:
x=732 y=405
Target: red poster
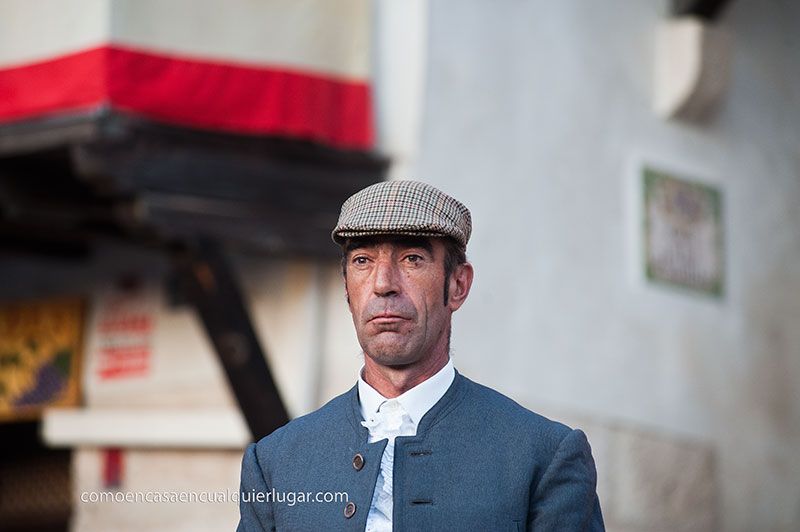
x=124 y=332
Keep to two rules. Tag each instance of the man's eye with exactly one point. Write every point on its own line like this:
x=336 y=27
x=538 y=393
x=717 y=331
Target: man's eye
x=360 y=260
x=413 y=259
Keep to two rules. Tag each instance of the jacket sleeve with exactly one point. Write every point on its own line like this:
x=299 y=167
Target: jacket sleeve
x=254 y=515
x=566 y=498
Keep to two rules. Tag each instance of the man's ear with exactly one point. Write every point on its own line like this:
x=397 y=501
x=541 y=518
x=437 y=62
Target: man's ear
x=460 y=284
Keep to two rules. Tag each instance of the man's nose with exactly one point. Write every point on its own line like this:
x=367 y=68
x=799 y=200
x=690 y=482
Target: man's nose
x=386 y=278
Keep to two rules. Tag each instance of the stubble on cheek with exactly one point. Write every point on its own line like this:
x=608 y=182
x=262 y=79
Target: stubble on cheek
x=389 y=344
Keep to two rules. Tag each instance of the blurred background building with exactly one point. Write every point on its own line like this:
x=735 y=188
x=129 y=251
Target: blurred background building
x=170 y=171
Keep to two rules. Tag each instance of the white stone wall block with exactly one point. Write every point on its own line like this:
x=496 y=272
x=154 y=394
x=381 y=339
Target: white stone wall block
x=692 y=67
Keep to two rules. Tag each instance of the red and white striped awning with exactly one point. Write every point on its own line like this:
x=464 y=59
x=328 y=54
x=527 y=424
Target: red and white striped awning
x=290 y=68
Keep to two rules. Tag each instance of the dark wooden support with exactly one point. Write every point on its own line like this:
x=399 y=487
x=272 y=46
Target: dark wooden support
x=210 y=286
x=64 y=182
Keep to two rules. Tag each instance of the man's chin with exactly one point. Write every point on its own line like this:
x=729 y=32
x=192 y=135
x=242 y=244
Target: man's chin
x=391 y=358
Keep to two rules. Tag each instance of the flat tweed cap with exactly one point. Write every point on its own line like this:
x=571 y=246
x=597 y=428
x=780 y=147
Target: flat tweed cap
x=403 y=208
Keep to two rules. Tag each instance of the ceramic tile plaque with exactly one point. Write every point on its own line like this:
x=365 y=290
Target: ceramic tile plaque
x=683 y=233
x=40 y=345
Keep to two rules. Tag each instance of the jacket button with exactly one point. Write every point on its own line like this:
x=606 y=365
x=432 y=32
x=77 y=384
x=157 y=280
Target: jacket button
x=349 y=509
x=358 y=461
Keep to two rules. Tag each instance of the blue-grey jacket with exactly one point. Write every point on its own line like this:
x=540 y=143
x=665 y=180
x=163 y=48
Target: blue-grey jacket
x=479 y=462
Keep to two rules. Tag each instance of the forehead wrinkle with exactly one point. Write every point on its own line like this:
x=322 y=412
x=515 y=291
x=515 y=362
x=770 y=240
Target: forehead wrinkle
x=397 y=240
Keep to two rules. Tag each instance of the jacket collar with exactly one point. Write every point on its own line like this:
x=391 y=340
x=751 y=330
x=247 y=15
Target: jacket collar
x=416 y=401
x=438 y=411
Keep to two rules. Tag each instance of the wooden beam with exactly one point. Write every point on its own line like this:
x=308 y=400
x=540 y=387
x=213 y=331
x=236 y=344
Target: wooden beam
x=212 y=289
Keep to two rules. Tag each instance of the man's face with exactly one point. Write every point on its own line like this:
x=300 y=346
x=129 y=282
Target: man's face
x=394 y=288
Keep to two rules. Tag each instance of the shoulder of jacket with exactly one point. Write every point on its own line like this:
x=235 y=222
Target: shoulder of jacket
x=492 y=404
x=331 y=416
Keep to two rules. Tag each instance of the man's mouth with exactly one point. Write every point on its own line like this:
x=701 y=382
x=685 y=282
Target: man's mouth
x=386 y=319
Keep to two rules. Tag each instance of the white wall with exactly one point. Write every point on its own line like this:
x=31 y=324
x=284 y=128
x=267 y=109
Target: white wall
x=533 y=113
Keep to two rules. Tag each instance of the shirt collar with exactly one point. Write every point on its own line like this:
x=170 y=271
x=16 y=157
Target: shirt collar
x=416 y=401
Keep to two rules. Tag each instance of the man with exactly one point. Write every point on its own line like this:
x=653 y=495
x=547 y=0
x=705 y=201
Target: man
x=415 y=445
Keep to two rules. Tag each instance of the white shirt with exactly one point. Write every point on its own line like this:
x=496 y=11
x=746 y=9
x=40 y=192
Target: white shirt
x=389 y=418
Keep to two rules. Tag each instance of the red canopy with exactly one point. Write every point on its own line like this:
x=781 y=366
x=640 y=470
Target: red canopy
x=290 y=68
